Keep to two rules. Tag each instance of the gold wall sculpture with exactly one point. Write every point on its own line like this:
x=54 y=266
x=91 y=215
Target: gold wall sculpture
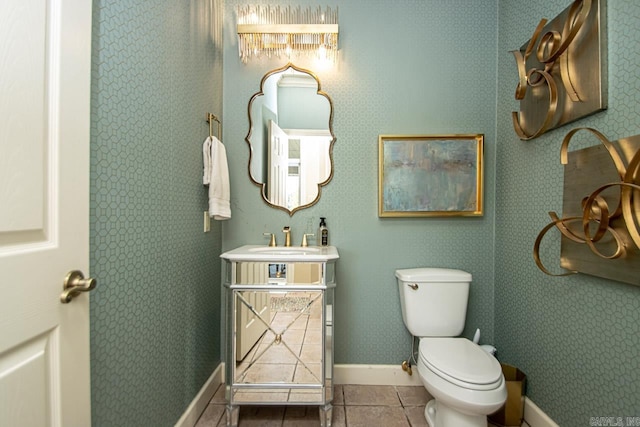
x=562 y=70
x=600 y=224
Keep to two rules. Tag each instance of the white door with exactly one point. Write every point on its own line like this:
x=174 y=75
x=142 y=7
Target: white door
x=45 y=71
x=249 y=328
x=315 y=166
x=278 y=167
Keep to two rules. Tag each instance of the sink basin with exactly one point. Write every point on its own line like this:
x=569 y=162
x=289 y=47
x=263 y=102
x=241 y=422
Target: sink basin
x=281 y=253
x=285 y=250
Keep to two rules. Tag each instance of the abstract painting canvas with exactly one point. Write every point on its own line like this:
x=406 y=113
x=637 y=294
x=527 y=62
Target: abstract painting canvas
x=430 y=175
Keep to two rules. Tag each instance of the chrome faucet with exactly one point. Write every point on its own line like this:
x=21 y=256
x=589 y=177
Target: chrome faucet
x=287 y=235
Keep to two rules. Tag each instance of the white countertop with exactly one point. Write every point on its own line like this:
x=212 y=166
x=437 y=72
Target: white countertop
x=282 y=253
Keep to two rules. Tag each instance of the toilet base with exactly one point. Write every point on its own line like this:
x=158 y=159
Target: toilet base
x=440 y=415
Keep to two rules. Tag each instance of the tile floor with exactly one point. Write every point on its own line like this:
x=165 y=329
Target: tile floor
x=354 y=405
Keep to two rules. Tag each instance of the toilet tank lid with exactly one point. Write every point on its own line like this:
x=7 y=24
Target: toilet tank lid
x=433 y=275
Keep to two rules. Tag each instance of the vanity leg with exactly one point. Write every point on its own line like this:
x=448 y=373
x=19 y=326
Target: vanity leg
x=233 y=413
x=326 y=415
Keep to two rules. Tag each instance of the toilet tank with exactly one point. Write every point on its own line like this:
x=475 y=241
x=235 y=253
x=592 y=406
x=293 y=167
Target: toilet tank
x=433 y=300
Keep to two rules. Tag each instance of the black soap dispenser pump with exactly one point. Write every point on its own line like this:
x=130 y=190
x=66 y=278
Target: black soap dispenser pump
x=323 y=232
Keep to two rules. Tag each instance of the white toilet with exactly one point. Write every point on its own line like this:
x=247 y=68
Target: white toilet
x=466 y=382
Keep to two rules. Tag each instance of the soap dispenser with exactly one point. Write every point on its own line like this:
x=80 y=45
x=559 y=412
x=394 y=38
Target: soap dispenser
x=323 y=232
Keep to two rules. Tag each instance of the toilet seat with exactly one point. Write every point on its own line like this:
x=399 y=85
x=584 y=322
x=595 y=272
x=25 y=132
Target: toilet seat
x=461 y=362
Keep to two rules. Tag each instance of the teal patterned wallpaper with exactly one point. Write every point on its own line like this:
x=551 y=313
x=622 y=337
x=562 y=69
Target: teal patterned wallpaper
x=157 y=69
x=406 y=67
x=577 y=338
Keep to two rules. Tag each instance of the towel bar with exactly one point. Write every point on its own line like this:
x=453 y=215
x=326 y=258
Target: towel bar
x=210 y=118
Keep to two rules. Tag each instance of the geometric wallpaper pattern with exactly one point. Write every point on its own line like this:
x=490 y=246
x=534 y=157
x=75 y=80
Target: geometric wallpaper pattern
x=406 y=67
x=577 y=338
x=155 y=313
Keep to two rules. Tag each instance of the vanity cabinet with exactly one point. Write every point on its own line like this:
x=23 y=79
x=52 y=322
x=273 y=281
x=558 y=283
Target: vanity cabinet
x=278 y=323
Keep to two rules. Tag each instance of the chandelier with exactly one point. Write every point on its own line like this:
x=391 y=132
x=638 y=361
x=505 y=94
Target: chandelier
x=277 y=31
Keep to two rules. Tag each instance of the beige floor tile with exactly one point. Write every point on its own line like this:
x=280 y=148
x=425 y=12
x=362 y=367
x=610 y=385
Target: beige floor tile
x=269 y=373
x=218 y=396
x=316 y=310
x=315 y=324
x=311 y=375
x=383 y=407
x=415 y=415
x=291 y=336
x=338 y=398
x=301 y=323
x=311 y=353
x=301 y=416
x=263 y=416
x=222 y=422
x=367 y=416
x=211 y=415
x=278 y=353
x=370 y=395
x=339 y=417
x=313 y=336
x=413 y=396
x=283 y=321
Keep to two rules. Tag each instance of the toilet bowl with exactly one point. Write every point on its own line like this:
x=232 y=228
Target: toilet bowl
x=466 y=382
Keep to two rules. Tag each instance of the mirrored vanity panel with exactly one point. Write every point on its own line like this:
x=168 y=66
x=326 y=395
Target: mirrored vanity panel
x=279 y=334
x=290 y=138
x=284 y=274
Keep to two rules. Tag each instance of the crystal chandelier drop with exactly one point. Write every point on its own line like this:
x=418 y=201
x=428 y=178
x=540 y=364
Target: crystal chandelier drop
x=276 y=31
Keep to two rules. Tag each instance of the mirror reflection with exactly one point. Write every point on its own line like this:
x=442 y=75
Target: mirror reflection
x=279 y=332
x=290 y=138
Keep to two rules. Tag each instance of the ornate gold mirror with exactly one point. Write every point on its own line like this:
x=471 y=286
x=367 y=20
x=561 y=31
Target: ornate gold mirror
x=290 y=138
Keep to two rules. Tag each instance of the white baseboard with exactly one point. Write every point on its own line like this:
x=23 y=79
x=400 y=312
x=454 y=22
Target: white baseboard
x=374 y=375
x=535 y=417
x=199 y=403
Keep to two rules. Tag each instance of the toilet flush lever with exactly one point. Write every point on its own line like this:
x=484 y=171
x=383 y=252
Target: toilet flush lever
x=413 y=286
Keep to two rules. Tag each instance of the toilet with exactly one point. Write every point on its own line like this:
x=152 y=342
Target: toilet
x=466 y=382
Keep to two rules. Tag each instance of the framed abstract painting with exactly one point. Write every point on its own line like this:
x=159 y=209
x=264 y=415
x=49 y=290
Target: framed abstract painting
x=430 y=175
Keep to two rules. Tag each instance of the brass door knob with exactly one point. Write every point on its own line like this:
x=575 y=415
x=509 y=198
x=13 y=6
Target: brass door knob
x=75 y=283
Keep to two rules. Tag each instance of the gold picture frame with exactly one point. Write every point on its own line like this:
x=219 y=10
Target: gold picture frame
x=430 y=175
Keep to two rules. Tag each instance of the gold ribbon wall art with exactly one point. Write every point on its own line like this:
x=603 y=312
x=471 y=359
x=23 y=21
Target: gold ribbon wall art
x=562 y=70
x=600 y=224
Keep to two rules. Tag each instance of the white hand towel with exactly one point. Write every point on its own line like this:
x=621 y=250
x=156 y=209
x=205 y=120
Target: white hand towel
x=206 y=161
x=219 y=194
